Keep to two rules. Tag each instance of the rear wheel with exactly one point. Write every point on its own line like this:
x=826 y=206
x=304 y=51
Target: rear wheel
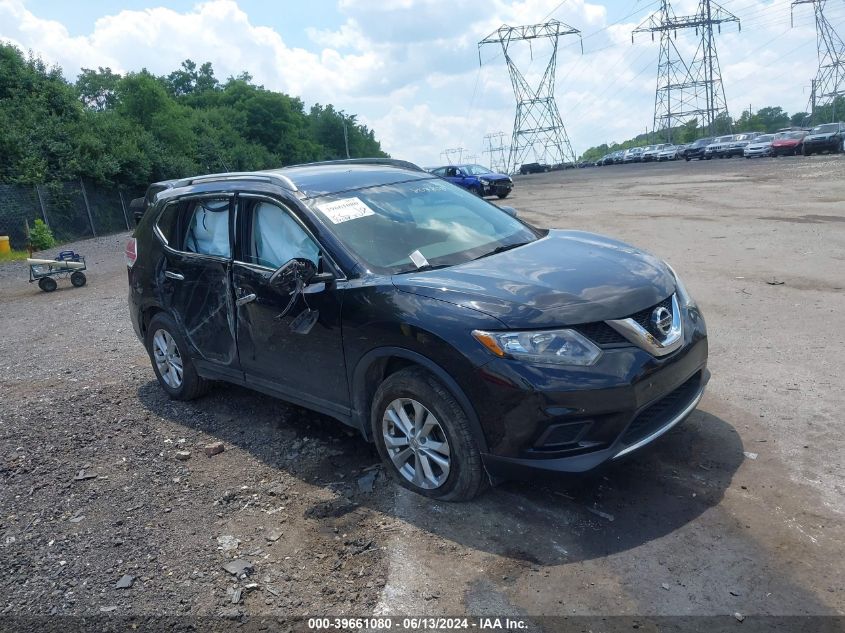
x=170 y=359
x=47 y=284
x=423 y=436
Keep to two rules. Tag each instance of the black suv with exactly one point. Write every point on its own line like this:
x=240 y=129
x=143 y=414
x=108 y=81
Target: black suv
x=828 y=137
x=696 y=149
x=467 y=344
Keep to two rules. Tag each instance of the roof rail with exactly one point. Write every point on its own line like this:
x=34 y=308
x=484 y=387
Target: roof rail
x=264 y=176
x=390 y=162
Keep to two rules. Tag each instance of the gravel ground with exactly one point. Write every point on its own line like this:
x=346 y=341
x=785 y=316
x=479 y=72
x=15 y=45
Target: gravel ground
x=94 y=490
x=737 y=511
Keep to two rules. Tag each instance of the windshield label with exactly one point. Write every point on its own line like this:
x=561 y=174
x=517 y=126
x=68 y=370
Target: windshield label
x=345 y=210
x=418 y=259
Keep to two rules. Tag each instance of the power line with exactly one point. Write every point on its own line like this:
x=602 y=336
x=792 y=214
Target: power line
x=538 y=128
x=829 y=84
x=684 y=91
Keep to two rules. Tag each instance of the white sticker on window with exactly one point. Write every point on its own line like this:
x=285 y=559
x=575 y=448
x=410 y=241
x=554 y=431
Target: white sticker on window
x=418 y=259
x=345 y=210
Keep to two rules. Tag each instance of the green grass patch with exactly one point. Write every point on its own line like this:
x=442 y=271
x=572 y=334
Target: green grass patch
x=13 y=256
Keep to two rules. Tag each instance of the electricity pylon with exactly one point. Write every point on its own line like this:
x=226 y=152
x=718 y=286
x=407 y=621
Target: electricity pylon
x=829 y=84
x=495 y=147
x=688 y=91
x=537 y=123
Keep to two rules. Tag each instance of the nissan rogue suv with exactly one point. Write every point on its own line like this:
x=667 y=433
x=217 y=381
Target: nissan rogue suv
x=467 y=344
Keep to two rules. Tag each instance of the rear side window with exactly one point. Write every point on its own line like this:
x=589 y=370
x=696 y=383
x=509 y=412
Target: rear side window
x=208 y=229
x=168 y=224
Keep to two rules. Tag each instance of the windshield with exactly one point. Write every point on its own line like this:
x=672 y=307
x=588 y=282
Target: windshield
x=826 y=129
x=765 y=138
x=476 y=170
x=404 y=226
x=783 y=135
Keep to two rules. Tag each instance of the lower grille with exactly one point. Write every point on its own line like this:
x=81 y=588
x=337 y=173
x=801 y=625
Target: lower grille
x=661 y=412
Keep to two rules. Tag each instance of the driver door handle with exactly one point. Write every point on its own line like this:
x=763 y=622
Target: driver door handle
x=171 y=275
x=242 y=300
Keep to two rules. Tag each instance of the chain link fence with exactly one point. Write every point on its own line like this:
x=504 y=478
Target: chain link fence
x=73 y=210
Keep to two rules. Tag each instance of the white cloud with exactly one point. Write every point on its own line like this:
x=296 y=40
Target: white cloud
x=409 y=68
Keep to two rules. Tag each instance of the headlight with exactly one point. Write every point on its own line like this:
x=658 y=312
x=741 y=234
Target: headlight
x=484 y=181
x=549 y=347
x=684 y=297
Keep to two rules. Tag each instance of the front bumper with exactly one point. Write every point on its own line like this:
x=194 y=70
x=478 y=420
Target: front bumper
x=498 y=188
x=758 y=153
x=574 y=419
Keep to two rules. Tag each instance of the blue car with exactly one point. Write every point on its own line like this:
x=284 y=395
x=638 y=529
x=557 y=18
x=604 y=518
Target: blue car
x=477 y=179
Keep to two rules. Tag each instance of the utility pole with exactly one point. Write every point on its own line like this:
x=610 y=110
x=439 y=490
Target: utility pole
x=495 y=142
x=687 y=91
x=829 y=84
x=448 y=153
x=537 y=123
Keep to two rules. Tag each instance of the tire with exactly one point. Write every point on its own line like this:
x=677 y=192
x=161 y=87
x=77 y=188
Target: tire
x=502 y=196
x=78 y=279
x=191 y=385
x=805 y=152
x=687 y=158
x=406 y=391
x=47 y=284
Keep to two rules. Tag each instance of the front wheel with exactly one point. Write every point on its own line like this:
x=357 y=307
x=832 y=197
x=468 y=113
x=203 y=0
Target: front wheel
x=171 y=361
x=78 y=279
x=47 y=284
x=502 y=196
x=423 y=436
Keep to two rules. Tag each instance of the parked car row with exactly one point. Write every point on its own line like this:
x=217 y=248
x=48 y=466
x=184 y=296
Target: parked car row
x=827 y=137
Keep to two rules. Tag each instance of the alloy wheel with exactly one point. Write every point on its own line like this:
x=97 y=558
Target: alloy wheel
x=167 y=359
x=416 y=443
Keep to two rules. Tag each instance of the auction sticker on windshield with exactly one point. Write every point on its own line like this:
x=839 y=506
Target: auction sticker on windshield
x=345 y=210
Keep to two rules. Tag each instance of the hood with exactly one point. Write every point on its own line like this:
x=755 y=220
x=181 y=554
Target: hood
x=565 y=278
x=787 y=141
x=493 y=177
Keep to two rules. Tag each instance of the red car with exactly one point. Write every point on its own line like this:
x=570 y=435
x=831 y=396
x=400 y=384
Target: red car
x=788 y=143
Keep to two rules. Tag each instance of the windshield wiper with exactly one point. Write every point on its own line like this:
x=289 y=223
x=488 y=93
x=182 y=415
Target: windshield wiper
x=502 y=249
x=422 y=269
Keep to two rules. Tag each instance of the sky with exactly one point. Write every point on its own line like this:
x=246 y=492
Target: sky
x=410 y=69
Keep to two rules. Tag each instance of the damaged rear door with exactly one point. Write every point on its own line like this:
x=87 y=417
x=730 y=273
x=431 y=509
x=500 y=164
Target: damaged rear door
x=288 y=344
x=195 y=277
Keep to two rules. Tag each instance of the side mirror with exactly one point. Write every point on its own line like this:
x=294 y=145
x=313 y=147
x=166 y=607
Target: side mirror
x=510 y=211
x=292 y=274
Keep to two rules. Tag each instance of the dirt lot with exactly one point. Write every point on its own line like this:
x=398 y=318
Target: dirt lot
x=740 y=510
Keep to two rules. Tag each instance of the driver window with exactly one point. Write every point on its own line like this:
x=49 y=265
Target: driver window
x=276 y=238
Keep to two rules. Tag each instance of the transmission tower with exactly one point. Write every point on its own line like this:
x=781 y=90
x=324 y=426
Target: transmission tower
x=829 y=84
x=688 y=91
x=537 y=122
x=495 y=147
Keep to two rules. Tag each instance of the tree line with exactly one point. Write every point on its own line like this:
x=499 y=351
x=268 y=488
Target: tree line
x=136 y=128
x=768 y=119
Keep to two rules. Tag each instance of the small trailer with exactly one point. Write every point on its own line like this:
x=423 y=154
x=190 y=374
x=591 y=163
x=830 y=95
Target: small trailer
x=67 y=264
